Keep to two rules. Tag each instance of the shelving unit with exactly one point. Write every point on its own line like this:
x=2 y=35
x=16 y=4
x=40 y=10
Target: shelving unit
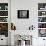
x=42 y=19
x=4 y=19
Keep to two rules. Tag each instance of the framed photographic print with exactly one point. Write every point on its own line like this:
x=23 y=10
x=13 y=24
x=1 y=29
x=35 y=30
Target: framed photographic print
x=23 y=13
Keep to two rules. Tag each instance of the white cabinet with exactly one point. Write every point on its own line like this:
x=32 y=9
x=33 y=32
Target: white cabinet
x=3 y=40
x=41 y=41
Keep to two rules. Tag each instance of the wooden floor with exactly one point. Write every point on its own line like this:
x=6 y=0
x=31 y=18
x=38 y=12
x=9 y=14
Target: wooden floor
x=3 y=45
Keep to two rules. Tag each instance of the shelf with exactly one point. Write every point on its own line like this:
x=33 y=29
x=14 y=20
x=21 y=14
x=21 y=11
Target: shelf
x=3 y=22
x=3 y=16
x=41 y=28
x=41 y=22
x=41 y=10
x=3 y=10
x=42 y=16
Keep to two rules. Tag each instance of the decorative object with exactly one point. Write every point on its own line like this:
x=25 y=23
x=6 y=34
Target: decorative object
x=13 y=27
x=43 y=13
x=3 y=6
x=3 y=19
x=31 y=27
x=3 y=13
x=6 y=7
x=0 y=7
x=42 y=32
x=41 y=6
x=4 y=29
x=41 y=19
x=42 y=25
x=23 y=13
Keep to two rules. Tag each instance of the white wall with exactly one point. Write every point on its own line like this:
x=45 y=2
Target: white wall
x=32 y=6
x=23 y=24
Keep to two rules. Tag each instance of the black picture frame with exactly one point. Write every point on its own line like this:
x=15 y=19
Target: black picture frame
x=23 y=14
